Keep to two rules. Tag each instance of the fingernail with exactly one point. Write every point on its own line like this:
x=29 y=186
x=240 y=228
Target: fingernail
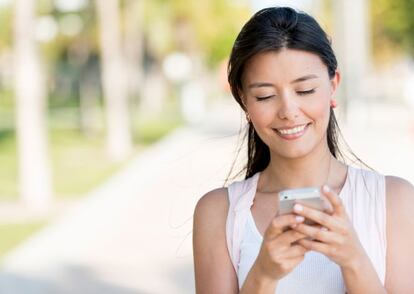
x=324 y=229
x=325 y=188
x=298 y=208
x=293 y=226
x=299 y=218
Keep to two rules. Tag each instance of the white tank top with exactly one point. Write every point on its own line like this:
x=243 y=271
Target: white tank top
x=363 y=195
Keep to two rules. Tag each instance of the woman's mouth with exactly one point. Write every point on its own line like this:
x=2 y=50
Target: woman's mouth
x=292 y=133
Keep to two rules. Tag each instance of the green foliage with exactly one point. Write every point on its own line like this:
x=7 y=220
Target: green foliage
x=8 y=165
x=5 y=27
x=149 y=131
x=217 y=25
x=13 y=234
x=79 y=163
x=212 y=25
x=393 y=25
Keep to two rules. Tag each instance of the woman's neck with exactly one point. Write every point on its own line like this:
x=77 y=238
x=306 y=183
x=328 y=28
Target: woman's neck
x=314 y=169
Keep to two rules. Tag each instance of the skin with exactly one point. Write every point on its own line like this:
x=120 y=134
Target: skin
x=298 y=91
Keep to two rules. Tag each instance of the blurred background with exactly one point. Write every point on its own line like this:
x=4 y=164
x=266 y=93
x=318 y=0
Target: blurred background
x=116 y=117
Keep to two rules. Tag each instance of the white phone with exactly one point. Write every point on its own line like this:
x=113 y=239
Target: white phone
x=311 y=197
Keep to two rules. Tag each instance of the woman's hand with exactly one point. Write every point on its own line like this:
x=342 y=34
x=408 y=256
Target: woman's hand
x=336 y=237
x=280 y=253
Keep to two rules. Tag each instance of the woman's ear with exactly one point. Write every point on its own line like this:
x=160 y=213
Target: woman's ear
x=335 y=81
x=242 y=97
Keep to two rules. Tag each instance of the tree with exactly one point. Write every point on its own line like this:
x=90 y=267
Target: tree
x=29 y=86
x=133 y=19
x=211 y=26
x=114 y=80
x=393 y=26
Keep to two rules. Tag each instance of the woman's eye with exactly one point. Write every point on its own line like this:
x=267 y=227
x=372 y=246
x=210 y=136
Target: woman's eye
x=306 y=92
x=264 y=97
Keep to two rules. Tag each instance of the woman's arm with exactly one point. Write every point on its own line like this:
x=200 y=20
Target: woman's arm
x=400 y=236
x=361 y=277
x=214 y=272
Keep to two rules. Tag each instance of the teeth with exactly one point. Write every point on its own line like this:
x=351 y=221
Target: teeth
x=292 y=130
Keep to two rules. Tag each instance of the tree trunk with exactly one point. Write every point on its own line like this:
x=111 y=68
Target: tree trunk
x=351 y=40
x=134 y=52
x=34 y=169
x=114 y=80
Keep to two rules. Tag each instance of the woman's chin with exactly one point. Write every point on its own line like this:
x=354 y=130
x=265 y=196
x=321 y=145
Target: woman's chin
x=292 y=153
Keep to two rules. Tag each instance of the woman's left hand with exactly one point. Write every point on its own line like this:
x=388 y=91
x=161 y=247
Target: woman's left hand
x=335 y=237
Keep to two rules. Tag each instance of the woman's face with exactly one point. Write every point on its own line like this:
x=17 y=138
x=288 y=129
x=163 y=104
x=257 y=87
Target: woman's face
x=287 y=95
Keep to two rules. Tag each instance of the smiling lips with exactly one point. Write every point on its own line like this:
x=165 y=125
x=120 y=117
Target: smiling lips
x=292 y=133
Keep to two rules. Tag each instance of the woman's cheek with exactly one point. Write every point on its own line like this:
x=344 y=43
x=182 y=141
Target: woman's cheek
x=257 y=109
x=317 y=108
x=263 y=116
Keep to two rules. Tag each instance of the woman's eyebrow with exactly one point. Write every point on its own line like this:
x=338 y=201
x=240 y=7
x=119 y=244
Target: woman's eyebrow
x=260 y=85
x=298 y=80
x=304 y=78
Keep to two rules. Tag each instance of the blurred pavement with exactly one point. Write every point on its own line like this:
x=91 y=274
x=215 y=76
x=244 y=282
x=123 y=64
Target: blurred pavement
x=133 y=234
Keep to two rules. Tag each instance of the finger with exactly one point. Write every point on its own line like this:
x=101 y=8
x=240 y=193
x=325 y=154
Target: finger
x=295 y=251
x=316 y=246
x=279 y=223
x=334 y=199
x=316 y=232
x=315 y=215
x=290 y=237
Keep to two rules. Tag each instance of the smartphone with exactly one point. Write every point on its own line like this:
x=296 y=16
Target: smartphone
x=311 y=197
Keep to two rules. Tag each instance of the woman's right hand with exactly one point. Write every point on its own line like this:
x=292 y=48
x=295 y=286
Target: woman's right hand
x=279 y=253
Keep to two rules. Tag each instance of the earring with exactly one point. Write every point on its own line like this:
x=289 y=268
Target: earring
x=334 y=104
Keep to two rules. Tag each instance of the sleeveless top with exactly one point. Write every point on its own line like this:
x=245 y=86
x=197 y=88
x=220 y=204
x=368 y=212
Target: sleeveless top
x=363 y=196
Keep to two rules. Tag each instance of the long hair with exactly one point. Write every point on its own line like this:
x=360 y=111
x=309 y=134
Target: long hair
x=272 y=29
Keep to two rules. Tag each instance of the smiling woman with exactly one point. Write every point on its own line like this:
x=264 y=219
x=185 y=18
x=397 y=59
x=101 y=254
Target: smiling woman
x=283 y=73
x=287 y=93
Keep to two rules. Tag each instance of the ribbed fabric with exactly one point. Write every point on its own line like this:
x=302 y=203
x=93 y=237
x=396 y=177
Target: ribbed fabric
x=363 y=195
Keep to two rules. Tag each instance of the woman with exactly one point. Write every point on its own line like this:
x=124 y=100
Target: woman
x=283 y=73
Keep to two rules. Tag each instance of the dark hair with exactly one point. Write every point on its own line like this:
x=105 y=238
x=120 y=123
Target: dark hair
x=272 y=29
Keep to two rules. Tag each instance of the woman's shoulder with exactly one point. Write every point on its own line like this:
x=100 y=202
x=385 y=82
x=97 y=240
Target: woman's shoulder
x=364 y=172
x=213 y=198
x=400 y=238
x=213 y=205
x=214 y=272
x=396 y=188
x=398 y=183
x=221 y=197
x=400 y=192
x=399 y=202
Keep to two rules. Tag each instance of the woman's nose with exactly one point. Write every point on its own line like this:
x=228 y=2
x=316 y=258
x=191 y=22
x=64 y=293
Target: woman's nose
x=287 y=108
